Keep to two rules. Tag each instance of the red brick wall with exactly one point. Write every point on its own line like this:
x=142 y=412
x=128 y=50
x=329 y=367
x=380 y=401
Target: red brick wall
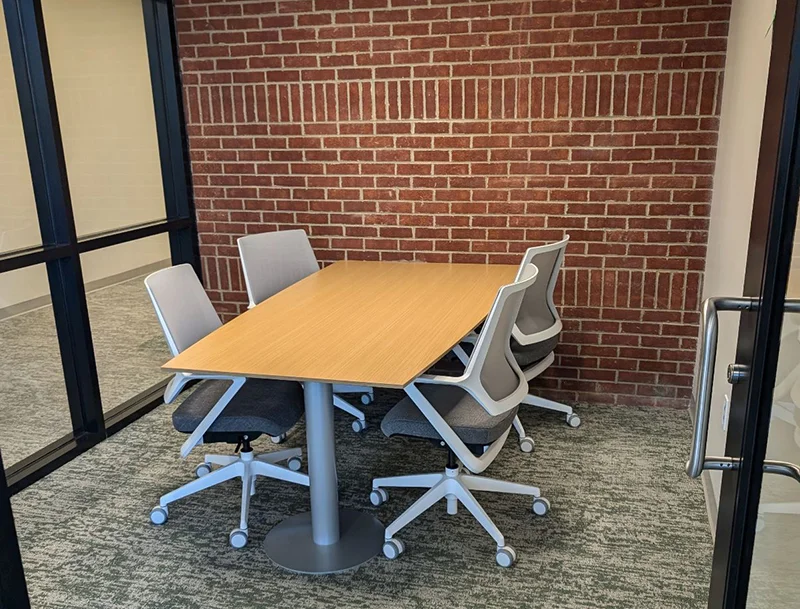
x=465 y=131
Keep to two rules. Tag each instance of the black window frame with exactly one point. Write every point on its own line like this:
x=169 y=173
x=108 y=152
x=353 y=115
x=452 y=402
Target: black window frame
x=61 y=248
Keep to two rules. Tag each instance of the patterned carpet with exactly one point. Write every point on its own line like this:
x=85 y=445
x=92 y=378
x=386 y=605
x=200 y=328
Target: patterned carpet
x=627 y=528
x=129 y=348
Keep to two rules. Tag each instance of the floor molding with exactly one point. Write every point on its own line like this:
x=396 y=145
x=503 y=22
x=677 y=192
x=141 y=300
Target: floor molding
x=91 y=286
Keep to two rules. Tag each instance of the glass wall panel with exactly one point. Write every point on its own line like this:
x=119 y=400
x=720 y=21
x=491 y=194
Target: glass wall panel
x=128 y=343
x=19 y=227
x=33 y=400
x=101 y=80
x=774 y=578
x=102 y=84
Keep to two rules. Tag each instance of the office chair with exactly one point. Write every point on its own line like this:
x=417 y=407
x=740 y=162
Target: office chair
x=222 y=408
x=472 y=414
x=273 y=261
x=536 y=331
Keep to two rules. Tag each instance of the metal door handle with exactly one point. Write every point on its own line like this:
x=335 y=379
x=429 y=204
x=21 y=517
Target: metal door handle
x=782 y=468
x=705 y=381
x=709 y=325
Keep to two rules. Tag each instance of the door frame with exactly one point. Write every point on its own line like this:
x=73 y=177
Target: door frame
x=766 y=275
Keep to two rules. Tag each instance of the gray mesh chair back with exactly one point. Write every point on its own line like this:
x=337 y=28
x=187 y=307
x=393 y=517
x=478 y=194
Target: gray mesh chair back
x=273 y=261
x=183 y=308
x=538 y=329
x=538 y=317
x=497 y=370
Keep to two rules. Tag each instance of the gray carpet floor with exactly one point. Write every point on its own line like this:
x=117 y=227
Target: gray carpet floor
x=129 y=348
x=627 y=528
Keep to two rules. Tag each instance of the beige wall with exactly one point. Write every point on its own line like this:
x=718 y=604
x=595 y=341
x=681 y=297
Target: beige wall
x=102 y=84
x=18 y=224
x=19 y=227
x=746 y=69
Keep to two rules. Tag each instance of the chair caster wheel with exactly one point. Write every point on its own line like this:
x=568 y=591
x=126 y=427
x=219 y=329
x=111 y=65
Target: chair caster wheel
x=573 y=420
x=378 y=496
x=202 y=470
x=506 y=556
x=359 y=425
x=278 y=439
x=392 y=548
x=294 y=463
x=526 y=444
x=238 y=538
x=366 y=399
x=541 y=506
x=159 y=515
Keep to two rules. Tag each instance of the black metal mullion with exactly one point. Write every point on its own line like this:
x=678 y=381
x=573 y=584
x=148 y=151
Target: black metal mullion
x=24 y=26
x=11 y=261
x=131 y=233
x=18 y=259
x=34 y=83
x=159 y=25
x=71 y=315
x=13 y=591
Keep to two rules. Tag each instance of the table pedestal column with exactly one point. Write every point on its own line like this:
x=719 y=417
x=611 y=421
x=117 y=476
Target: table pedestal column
x=327 y=539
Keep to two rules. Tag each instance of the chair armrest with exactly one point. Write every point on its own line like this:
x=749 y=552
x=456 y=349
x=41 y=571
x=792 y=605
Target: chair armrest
x=536 y=337
x=438 y=379
x=179 y=381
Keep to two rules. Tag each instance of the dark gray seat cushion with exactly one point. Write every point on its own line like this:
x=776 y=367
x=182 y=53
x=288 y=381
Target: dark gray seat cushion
x=527 y=355
x=260 y=406
x=458 y=408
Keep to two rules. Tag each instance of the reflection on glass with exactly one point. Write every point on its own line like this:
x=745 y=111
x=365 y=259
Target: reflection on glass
x=774 y=580
x=101 y=78
x=19 y=227
x=128 y=344
x=33 y=400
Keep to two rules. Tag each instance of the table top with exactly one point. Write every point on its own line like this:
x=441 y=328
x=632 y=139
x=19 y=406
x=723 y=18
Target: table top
x=365 y=323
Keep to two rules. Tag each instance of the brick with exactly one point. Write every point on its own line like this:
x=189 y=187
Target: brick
x=463 y=132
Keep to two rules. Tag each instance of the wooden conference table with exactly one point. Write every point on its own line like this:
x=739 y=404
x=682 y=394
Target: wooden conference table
x=378 y=324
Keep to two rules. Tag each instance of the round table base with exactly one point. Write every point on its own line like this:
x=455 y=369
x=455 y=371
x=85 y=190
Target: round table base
x=290 y=544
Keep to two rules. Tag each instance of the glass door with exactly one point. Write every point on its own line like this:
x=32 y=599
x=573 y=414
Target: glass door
x=775 y=571
x=757 y=544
